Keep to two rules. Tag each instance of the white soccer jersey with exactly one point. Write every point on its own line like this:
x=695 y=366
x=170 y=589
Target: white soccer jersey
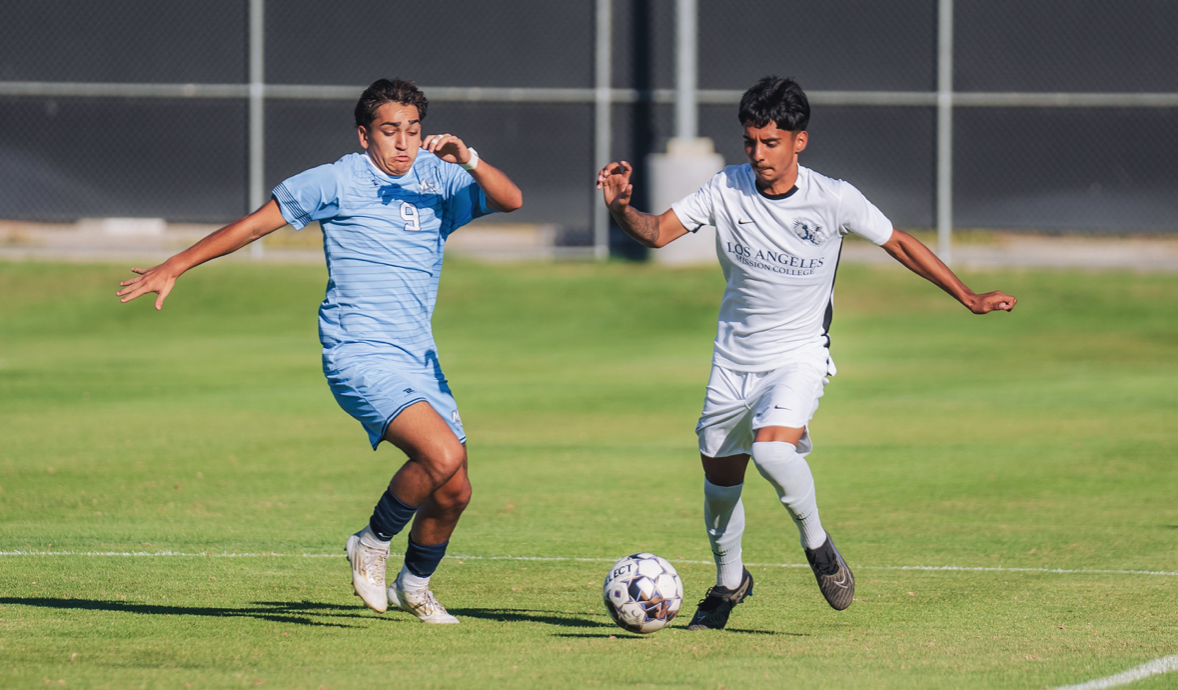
x=779 y=256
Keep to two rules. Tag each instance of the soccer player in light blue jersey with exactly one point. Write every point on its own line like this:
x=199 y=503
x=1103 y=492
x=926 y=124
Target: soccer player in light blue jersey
x=386 y=214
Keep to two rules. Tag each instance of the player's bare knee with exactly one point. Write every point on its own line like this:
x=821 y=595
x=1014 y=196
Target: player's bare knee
x=454 y=499
x=725 y=471
x=444 y=463
x=462 y=495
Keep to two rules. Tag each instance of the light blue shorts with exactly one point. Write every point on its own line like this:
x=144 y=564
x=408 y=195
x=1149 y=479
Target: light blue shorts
x=375 y=389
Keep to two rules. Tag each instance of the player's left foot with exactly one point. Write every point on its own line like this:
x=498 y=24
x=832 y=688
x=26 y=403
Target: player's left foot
x=834 y=576
x=368 y=565
x=420 y=603
x=717 y=604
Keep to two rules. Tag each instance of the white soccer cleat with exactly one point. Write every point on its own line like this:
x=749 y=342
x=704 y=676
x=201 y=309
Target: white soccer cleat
x=420 y=603
x=368 y=566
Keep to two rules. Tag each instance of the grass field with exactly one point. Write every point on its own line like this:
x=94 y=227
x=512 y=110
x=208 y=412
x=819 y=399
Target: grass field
x=1038 y=440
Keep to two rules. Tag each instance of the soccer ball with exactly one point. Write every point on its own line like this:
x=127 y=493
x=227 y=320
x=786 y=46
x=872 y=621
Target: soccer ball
x=643 y=593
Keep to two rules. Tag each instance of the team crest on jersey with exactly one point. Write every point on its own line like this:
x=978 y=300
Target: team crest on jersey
x=426 y=187
x=809 y=231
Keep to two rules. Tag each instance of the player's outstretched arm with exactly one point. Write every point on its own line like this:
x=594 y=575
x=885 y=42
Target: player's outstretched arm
x=920 y=260
x=648 y=230
x=160 y=279
x=502 y=194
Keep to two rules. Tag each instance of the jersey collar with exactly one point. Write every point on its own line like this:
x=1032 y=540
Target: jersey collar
x=777 y=197
x=802 y=176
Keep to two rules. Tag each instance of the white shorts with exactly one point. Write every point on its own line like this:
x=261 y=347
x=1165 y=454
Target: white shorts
x=739 y=402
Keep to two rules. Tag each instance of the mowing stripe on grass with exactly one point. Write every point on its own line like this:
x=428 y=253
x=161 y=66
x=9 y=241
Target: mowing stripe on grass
x=978 y=569
x=1164 y=665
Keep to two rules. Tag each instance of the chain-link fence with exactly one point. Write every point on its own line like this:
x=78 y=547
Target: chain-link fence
x=1063 y=112
x=1080 y=167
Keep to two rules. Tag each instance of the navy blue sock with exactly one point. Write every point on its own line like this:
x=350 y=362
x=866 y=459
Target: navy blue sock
x=390 y=516
x=422 y=561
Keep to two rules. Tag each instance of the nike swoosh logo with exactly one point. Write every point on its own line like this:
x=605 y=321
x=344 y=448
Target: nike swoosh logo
x=779 y=407
x=742 y=221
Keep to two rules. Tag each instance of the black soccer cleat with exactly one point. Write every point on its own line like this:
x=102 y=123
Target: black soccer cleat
x=834 y=576
x=714 y=608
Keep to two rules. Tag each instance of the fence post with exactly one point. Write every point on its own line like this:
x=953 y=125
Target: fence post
x=690 y=160
x=686 y=66
x=257 y=142
x=602 y=129
x=945 y=129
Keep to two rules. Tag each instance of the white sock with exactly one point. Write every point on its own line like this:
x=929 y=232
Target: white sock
x=369 y=539
x=410 y=582
x=724 y=517
x=790 y=476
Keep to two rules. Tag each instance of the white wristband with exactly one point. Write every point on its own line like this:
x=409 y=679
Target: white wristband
x=474 y=159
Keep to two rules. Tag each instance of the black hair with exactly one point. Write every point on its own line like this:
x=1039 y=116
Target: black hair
x=773 y=99
x=385 y=91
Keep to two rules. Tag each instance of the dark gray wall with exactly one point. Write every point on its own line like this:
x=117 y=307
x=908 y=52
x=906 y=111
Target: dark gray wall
x=1108 y=169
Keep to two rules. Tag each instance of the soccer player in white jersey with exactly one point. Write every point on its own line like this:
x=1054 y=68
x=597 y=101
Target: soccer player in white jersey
x=386 y=214
x=779 y=228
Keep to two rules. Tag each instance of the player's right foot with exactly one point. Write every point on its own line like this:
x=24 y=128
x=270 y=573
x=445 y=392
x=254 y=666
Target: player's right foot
x=420 y=603
x=713 y=610
x=368 y=565
x=834 y=577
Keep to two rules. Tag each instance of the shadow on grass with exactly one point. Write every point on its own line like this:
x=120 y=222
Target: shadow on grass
x=275 y=611
x=530 y=616
x=311 y=607
x=763 y=632
x=616 y=633
x=568 y=621
x=623 y=635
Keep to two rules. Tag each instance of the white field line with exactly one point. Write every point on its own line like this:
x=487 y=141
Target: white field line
x=955 y=568
x=1165 y=664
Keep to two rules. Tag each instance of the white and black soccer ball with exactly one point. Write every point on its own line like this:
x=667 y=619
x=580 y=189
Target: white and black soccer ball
x=643 y=593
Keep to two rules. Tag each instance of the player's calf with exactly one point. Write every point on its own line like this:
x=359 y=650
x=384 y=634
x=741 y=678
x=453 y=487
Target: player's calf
x=790 y=475
x=432 y=527
x=724 y=518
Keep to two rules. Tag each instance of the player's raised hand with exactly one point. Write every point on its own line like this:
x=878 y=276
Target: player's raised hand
x=991 y=301
x=447 y=147
x=158 y=279
x=614 y=182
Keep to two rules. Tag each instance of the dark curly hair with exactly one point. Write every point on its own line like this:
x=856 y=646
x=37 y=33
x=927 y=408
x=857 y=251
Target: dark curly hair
x=773 y=99
x=385 y=91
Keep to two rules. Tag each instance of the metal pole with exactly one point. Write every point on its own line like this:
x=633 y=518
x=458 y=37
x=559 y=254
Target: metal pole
x=686 y=60
x=945 y=129
x=601 y=120
x=257 y=142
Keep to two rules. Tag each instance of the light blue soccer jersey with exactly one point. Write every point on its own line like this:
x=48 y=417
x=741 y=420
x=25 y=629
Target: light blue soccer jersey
x=383 y=237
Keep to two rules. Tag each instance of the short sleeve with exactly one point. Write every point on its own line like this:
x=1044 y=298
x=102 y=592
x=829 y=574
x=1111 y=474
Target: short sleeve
x=310 y=195
x=860 y=216
x=697 y=209
x=465 y=200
